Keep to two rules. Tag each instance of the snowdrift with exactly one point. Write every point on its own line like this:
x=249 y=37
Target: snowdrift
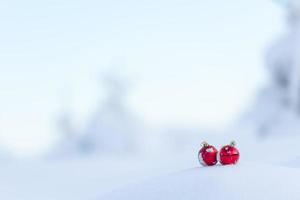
x=240 y=182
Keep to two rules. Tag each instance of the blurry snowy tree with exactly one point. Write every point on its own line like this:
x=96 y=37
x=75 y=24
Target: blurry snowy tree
x=112 y=126
x=110 y=129
x=278 y=106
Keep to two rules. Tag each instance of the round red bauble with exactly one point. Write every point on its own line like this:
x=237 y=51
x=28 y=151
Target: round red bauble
x=208 y=155
x=229 y=154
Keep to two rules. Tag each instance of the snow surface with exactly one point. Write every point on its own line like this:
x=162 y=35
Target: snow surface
x=241 y=182
x=268 y=169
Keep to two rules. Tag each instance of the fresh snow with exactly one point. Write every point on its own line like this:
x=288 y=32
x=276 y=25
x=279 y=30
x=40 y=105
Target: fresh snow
x=245 y=181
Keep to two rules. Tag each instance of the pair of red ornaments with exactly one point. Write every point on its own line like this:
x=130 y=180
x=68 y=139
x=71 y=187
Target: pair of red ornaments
x=209 y=155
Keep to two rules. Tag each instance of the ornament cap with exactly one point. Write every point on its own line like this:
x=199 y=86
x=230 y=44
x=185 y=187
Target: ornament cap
x=204 y=144
x=232 y=143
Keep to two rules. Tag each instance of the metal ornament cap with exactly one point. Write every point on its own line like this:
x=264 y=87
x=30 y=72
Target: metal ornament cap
x=207 y=155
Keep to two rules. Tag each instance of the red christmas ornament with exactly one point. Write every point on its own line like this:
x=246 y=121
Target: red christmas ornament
x=229 y=155
x=207 y=155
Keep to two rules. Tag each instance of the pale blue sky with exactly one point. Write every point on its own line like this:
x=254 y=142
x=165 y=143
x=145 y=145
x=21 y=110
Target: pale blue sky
x=192 y=62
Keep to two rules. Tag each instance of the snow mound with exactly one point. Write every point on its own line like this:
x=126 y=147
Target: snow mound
x=239 y=182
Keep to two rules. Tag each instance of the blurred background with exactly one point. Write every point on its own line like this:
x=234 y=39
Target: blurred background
x=95 y=94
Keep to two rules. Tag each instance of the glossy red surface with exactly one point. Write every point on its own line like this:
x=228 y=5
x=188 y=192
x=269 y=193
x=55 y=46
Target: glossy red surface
x=229 y=155
x=208 y=155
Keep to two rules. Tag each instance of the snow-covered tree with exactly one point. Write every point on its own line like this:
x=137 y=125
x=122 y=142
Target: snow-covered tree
x=278 y=105
x=112 y=126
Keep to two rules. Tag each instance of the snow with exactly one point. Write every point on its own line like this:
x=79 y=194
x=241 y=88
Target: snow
x=268 y=169
x=73 y=179
x=241 y=182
